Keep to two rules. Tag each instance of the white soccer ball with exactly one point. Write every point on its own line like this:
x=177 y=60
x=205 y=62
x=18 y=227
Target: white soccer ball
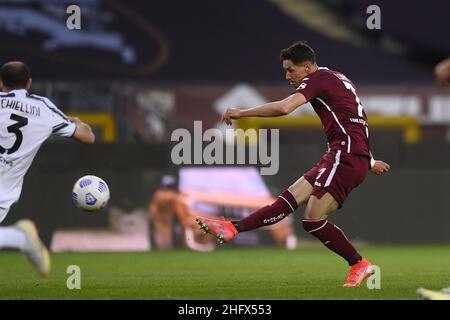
x=90 y=193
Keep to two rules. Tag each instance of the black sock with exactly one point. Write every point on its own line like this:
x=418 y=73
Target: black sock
x=357 y=258
x=236 y=224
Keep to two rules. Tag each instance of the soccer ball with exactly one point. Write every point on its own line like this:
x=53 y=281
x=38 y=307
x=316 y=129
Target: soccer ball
x=90 y=193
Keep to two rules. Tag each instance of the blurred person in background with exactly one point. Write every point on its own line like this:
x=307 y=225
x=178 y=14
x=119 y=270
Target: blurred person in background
x=442 y=73
x=168 y=205
x=325 y=187
x=164 y=207
x=26 y=122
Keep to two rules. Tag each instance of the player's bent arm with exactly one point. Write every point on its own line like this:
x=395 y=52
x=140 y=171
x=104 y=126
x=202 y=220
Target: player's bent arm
x=83 y=131
x=277 y=108
x=377 y=166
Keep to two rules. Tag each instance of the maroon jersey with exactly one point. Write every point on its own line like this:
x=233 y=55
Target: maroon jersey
x=333 y=97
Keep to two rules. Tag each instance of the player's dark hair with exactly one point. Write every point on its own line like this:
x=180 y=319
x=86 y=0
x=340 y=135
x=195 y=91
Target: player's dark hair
x=298 y=52
x=15 y=75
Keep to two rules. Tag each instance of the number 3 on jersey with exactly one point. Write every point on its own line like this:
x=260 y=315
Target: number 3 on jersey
x=15 y=128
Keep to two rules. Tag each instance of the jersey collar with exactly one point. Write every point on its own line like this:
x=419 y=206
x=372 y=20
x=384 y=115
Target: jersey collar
x=18 y=92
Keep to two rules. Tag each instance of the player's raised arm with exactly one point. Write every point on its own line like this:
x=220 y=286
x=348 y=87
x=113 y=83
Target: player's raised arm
x=83 y=131
x=271 y=109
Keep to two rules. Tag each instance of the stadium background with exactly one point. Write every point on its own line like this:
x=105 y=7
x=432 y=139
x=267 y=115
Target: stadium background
x=137 y=70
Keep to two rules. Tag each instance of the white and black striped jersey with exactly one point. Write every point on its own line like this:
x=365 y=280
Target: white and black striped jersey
x=26 y=121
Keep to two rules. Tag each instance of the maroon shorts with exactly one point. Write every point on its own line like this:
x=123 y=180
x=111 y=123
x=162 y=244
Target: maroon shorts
x=338 y=173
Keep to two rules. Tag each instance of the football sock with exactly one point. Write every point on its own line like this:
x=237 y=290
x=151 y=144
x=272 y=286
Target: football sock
x=11 y=237
x=333 y=238
x=277 y=211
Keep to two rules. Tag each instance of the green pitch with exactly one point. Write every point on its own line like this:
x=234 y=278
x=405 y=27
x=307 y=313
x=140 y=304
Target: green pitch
x=227 y=273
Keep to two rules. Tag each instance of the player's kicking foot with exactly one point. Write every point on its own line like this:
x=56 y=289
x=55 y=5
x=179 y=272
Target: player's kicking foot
x=358 y=273
x=223 y=230
x=35 y=250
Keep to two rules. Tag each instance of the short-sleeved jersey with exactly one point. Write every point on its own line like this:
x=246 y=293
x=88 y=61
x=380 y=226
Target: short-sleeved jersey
x=333 y=96
x=26 y=121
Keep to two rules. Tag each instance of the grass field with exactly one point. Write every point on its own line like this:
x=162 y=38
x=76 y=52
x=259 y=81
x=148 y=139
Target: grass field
x=227 y=273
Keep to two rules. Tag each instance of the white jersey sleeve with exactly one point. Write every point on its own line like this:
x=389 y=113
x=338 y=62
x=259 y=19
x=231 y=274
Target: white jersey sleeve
x=61 y=126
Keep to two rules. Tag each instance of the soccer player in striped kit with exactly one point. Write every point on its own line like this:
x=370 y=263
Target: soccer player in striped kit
x=26 y=122
x=325 y=187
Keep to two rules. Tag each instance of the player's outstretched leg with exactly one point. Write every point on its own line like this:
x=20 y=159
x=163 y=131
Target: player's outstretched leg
x=223 y=230
x=34 y=250
x=226 y=230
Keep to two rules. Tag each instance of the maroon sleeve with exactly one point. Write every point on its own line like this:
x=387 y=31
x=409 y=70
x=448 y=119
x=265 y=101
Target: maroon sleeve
x=311 y=87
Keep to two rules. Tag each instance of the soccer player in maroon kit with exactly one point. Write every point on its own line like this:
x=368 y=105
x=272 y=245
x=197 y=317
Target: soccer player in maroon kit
x=344 y=166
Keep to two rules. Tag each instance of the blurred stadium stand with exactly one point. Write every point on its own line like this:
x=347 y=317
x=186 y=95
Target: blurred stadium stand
x=137 y=70
x=203 y=42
